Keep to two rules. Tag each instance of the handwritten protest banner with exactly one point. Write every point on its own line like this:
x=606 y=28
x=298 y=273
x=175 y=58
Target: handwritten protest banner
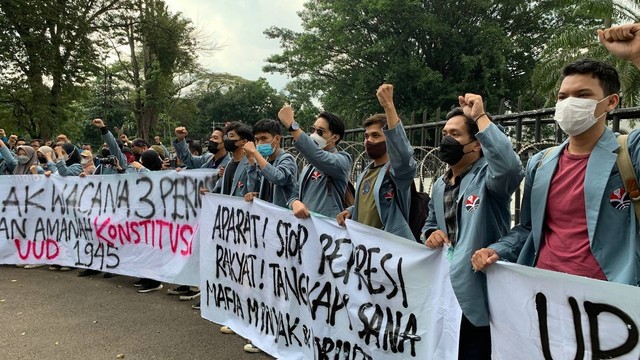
x=304 y=289
x=141 y=225
x=538 y=314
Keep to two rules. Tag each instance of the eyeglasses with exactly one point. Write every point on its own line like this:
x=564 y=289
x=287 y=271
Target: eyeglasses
x=314 y=129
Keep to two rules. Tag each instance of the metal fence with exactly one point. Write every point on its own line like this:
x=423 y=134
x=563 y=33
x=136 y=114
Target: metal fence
x=529 y=131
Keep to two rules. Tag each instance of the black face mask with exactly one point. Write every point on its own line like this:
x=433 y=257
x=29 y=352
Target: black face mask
x=451 y=151
x=377 y=150
x=213 y=147
x=230 y=145
x=105 y=152
x=42 y=159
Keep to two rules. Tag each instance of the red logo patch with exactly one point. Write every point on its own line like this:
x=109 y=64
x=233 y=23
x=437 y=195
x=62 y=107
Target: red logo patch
x=240 y=184
x=472 y=203
x=619 y=199
x=316 y=175
x=389 y=195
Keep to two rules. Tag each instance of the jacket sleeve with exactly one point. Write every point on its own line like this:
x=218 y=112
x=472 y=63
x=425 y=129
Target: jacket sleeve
x=9 y=159
x=333 y=164
x=64 y=170
x=633 y=144
x=284 y=171
x=504 y=171
x=253 y=178
x=295 y=195
x=430 y=225
x=114 y=149
x=183 y=153
x=403 y=165
x=510 y=245
x=167 y=154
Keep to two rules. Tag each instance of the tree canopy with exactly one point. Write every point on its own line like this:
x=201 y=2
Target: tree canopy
x=431 y=50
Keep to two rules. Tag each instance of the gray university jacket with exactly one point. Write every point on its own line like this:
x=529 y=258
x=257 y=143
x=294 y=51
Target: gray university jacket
x=393 y=202
x=205 y=160
x=483 y=216
x=314 y=190
x=239 y=187
x=282 y=174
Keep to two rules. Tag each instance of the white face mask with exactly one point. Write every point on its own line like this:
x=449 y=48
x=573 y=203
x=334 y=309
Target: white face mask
x=576 y=115
x=85 y=161
x=22 y=159
x=319 y=140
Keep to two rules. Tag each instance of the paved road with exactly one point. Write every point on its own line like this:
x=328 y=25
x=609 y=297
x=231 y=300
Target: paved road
x=57 y=315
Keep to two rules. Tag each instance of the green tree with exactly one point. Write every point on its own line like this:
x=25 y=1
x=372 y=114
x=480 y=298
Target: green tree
x=46 y=54
x=579 y=41
x=302 y=100
x=160 y=59
x=428 y=49
x=246 y=101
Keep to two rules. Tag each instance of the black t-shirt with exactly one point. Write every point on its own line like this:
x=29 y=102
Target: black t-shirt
x=229 y=172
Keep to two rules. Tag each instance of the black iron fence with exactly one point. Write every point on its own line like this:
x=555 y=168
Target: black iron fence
x=529 y=131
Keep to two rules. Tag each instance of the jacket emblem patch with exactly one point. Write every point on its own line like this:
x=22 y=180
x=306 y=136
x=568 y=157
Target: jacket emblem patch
x=366 y=187
x=472 y=203
x=389 y=195
x=620 y=199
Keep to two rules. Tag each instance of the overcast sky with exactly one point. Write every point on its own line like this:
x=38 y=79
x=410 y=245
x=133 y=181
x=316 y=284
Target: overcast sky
x=237 y=26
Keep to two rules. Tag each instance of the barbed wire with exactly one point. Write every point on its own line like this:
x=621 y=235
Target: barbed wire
x=429 y=166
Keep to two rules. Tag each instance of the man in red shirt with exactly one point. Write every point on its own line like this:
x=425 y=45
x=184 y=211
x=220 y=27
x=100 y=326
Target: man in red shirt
x=576 y=216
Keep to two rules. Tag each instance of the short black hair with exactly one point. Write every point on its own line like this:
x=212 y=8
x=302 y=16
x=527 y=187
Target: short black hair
x=336 y=125
x=380 y=119
x=472 y=126
x=267 y=126
x=603 y=71
x=195 y=146
x=139 y=143
x=243 y=130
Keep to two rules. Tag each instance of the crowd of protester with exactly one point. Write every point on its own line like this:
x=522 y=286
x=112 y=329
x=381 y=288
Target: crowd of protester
x=469 y=212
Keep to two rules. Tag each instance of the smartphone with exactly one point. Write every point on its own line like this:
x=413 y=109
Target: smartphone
x=172 y=163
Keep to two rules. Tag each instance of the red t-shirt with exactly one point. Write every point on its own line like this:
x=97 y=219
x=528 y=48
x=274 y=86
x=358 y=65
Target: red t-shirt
x=565 y=247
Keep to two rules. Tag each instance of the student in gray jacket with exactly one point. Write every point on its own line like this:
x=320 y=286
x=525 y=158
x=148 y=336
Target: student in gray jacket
x=577 y=216
x=322 y=183
x=114 y=147
x=216 y=157
x=68 y=160
x=233 y=180
x=469 y=209
x=383 y=190
x=272 y=172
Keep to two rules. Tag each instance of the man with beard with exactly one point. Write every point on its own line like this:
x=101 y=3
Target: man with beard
x=383 y=190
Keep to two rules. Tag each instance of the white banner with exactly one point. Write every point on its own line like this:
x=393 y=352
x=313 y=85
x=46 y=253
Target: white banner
x=303 y=289
x=538 y=314
x=141 y=225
